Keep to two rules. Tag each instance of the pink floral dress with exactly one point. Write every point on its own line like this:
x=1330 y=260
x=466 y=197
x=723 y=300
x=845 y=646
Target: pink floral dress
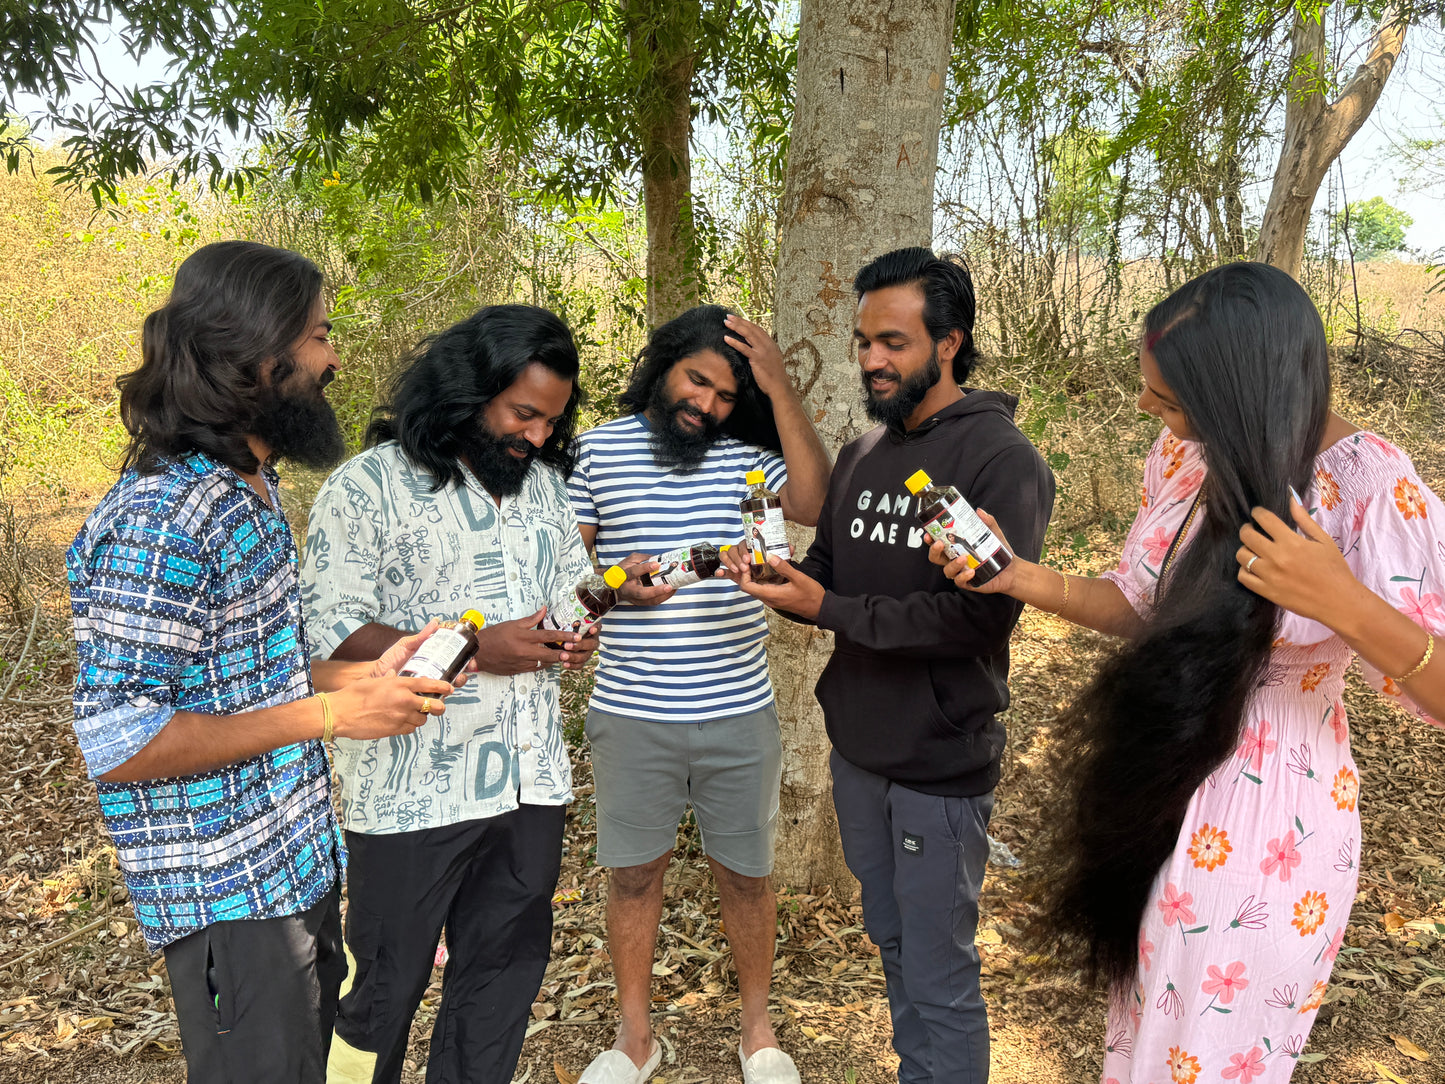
x=1246 y=917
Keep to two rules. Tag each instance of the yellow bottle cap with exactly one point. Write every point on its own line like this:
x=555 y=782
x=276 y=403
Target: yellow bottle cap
x=475 y=617
x=614 y=577
x=725 y=548
x=918 y=480
x=755 y=477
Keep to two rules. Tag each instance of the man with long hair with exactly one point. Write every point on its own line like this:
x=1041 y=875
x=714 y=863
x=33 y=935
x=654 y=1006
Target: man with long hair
x=683 y=707
x=193 y=700
x=912 y=693
x=458 y=503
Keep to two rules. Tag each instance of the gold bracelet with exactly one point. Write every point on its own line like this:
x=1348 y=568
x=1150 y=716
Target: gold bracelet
x=328 y=721
x=1062 y=602
x=1424 y=659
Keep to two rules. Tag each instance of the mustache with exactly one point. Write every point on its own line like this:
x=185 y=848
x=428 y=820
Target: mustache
x=326 y=378
x=518 y=444
x=696 y=415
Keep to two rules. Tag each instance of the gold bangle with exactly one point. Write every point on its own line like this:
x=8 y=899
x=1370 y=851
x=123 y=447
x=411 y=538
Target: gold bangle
x=328 y=721
x=1063 y=601
x=1424 y=659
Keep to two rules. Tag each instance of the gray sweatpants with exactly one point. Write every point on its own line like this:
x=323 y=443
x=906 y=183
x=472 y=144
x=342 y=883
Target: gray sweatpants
x=920 y=860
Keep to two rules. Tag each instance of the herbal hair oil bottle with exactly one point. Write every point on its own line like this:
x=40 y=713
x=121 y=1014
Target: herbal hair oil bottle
x=950 y=519
x=443 y=654
x=593 y=597
x=764 y=530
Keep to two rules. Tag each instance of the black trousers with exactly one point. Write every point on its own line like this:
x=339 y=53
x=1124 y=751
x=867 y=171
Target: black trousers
x=255 y=998
x=490 y=883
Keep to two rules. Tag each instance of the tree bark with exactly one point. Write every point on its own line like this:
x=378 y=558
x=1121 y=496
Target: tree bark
x=859 y=182
x=1316 y=131
x=662 y=42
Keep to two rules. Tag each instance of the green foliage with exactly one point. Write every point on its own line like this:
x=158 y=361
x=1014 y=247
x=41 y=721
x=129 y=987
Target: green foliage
x=1373 y=227
x=414 y=86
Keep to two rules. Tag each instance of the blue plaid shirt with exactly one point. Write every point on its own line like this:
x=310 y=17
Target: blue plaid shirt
x=184 y=593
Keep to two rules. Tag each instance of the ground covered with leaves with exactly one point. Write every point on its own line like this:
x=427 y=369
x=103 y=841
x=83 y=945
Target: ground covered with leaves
x=82 y=1000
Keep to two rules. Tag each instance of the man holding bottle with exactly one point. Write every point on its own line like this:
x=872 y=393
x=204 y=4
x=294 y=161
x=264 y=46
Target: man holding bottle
x=918 y=675
x=201 y=718
x=458 y=503
x=683 y=711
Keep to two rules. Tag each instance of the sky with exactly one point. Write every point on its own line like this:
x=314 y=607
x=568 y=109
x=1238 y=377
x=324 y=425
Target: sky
x=1413 y=105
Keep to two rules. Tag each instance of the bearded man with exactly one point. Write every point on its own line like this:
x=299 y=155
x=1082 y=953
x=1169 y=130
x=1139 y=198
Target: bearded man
x=459 y=503
x=196 y=706
x=683 y=710
x=918 y=676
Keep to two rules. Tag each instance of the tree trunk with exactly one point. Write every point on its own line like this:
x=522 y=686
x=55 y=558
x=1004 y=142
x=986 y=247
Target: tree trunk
x=859 y=183
x=1315 y=132
x=662 y=42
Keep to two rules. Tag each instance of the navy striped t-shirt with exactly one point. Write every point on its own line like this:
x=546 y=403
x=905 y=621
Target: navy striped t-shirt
x=700 y=654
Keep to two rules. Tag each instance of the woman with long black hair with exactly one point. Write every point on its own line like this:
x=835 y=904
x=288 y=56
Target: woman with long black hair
x=1208 y=858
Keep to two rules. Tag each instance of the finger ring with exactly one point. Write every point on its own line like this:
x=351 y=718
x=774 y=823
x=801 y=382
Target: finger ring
x=426 y=705
x=1249 y=567
x=539 y=664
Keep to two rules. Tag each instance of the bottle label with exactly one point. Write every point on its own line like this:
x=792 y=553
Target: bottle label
x=677 y=569
x=568 y=616
x=966 y=535
x=765 y=532
x=434 y=656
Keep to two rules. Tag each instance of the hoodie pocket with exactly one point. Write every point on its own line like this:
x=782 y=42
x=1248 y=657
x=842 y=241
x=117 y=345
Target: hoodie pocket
x=883 y=716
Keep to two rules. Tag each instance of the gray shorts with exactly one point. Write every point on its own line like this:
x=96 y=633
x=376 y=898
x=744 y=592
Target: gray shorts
x=646 y=773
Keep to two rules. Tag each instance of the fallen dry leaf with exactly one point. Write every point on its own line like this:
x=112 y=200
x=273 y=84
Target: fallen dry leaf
x=1409 y=1049
x=564 y=1075
x=1387 y=1074
x=1393 y=921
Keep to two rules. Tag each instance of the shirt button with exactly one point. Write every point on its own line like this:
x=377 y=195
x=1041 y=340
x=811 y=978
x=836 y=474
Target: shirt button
x=512 y=576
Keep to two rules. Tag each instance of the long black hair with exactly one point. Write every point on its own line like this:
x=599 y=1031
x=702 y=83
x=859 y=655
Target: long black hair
x=1243 y=349
x=235 y=306
x=449 y=378
x=696 y=330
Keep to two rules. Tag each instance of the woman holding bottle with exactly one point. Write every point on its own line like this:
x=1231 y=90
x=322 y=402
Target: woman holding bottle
x=1210 y=853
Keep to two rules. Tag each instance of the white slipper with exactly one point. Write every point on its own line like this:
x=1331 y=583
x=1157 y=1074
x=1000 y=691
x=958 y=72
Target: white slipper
x=768 y=1066
x=615 y=1067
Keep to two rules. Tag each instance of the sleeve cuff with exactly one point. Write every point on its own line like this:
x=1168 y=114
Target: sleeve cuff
x=326 y=638
x=110 y=738
x=830 y=612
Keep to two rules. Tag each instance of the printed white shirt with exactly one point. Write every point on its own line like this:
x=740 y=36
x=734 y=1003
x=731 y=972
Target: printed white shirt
x=383 y=547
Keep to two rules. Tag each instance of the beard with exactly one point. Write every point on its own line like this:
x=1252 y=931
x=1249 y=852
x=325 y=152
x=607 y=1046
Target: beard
x=296 y=422
x=894 y=410
x=673 y=444
x=492 y=461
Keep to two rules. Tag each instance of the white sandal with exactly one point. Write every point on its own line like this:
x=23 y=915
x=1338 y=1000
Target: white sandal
x=615 y=1067
x=768 y=1066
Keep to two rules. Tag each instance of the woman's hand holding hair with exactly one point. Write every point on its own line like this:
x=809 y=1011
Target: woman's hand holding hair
x=1304 y=572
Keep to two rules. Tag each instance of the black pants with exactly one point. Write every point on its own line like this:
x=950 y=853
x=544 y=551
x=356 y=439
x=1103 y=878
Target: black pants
x=490 y=883
x=920 y=859
x=255 y=998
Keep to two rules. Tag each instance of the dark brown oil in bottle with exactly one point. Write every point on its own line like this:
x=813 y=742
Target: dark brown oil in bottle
x=681 y=567
x=948 y=517
x=763 y=529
